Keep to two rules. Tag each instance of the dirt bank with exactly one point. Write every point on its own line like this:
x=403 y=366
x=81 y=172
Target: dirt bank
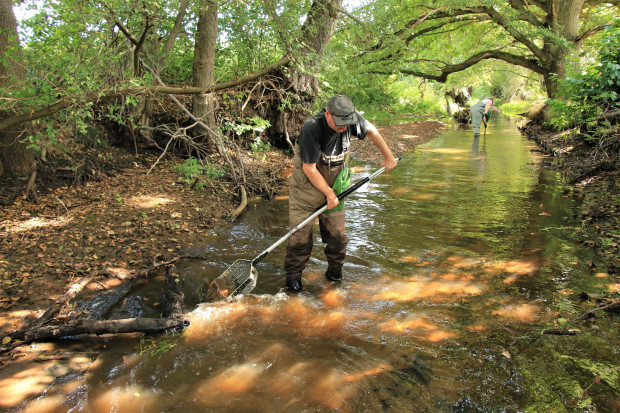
x=594 y=178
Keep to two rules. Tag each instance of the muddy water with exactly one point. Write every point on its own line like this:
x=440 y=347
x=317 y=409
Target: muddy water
x=459 y=258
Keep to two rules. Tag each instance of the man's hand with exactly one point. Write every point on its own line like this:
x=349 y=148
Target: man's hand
x=319 y=183
x=389 y=163
x=332 y=200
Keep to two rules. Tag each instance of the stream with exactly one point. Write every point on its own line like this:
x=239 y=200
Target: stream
x=458 y=259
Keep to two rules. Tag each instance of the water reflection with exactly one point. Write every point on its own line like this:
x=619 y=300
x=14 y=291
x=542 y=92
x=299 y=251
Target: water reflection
x=448 y=264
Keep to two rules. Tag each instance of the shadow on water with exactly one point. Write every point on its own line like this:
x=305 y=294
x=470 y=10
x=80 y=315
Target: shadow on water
x=457 y=260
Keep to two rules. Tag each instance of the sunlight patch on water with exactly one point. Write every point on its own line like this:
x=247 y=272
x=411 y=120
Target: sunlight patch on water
x=28 y=382
x=410 y=259
x=281 y=379
x=423 y=197
x=398 y=190
x=233 y=380
x=448 y=150
x=417 y=326
x=381 y=368
x=129 y=398
x=416 y=289
x=296 y=313
x=333 y=298
x=515 y=268
x=51 y=403
x=520 y=312
x=459 y=261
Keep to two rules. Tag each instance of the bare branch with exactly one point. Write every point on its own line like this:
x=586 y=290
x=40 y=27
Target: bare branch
x=591 y=32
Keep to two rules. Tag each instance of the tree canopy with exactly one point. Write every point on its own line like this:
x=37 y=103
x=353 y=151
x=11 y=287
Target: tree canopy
x=87 y=59
x=437 y=40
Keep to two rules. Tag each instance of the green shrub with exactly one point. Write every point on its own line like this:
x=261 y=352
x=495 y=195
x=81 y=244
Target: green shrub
x=197 y=173
x=586 y=96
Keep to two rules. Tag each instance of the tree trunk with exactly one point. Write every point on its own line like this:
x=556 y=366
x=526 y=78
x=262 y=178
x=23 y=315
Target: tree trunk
x=14 y=157
x=204 y=64
x=565 y=17
x=316 y=33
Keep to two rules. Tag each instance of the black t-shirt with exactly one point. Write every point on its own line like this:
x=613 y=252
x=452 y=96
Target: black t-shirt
x=316 y=136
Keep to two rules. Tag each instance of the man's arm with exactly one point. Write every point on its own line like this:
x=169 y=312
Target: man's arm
x=389 y=162
x=319 y=183
x=487 y=107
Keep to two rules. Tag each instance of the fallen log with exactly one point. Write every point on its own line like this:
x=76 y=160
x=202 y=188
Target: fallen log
x=81 y=327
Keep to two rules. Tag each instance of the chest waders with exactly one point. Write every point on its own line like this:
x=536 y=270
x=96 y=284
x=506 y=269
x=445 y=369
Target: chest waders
x=304 y=199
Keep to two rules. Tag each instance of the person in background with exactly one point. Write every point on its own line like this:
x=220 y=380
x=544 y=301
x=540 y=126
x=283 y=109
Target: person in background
x=321 y=151
x=480 y=112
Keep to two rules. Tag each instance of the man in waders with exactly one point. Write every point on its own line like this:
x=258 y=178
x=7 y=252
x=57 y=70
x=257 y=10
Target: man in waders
x=321 y=153
x=480 y=112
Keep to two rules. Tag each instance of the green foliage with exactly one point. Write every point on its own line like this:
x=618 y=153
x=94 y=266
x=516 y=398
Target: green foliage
x=260 y=148
x=56 y=133
x=516 y=107
x=158 y=346
x=197 y=173
x=254 y=125
x=587 y=95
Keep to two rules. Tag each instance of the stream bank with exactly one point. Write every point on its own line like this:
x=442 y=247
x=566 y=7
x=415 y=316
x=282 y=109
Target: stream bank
x=595 y=180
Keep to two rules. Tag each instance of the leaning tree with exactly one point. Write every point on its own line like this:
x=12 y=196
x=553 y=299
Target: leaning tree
x=14 y=155
x=433 y=41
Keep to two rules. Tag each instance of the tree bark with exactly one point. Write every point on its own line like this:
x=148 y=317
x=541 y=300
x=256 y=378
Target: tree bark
x=316 y=33
x=14 y=157
x=126 y=325
x=204 y=65
x=565 y=17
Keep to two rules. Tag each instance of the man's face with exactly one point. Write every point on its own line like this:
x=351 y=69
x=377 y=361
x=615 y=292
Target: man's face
x=330 y=122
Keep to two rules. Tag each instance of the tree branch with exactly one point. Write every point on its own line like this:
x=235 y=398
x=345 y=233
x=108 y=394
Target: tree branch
x=530 y=64
x=352 y=17
x=133 y=91
x=591 y=32
x=481 y=13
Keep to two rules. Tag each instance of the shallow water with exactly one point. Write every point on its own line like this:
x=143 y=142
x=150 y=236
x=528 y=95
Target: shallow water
x=458 y=259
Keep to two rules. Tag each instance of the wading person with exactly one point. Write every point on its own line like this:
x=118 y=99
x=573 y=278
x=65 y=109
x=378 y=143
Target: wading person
x=480 y=112
x=321 y=153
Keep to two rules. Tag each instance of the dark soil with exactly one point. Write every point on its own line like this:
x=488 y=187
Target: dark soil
x=111 y=216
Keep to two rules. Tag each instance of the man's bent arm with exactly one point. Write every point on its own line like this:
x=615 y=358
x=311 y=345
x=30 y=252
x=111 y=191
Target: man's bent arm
x=389 y=162
x=319 y=183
